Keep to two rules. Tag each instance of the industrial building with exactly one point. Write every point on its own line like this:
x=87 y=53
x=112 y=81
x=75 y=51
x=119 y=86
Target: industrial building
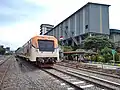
x=44 y=28
x=115 y=36
x=91 y=19
x=7 y=50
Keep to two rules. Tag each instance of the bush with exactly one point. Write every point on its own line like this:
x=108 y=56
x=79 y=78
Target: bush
x=101 y=59
x=107 y=54
x=93 y=58
x=2 y=51
x=116 y=57
x=67 y=48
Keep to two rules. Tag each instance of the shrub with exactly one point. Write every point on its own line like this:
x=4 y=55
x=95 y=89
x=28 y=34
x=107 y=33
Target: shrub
x=101 y=59
x=93 y=58
x=107 y=54
x=67 y=48
x=116 y=57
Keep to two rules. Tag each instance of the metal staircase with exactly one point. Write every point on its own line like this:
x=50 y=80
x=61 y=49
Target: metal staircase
x=70 y=34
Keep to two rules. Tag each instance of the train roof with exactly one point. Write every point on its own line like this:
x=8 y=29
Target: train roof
x=43 y=36
x=34 y=38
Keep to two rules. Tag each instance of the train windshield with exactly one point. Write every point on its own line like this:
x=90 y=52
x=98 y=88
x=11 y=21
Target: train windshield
x=46 y=45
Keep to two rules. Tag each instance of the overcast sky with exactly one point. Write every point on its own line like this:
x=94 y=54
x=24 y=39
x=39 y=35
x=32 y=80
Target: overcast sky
x=21 y=19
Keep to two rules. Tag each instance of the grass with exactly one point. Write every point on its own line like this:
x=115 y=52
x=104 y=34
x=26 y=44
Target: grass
x=118 y=64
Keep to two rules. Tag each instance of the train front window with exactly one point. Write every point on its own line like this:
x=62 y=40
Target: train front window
x=46 y=45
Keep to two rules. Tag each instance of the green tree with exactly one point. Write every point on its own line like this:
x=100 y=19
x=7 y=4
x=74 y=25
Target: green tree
x=60 y=43
x=107 y=54
x=93 y=58
x=116 y=57
x=67 y=48
x=97 y=43
x=2 y=51
x=75 y=47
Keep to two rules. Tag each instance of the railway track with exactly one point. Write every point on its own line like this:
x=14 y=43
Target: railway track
x=3 y=61
x=92 y=79
x=69 y=81
x=64 y=80
x=4 y=69
x=37 y=79
x=77 y=82
x=74 y=80
x=30 y=80
x=91 y=71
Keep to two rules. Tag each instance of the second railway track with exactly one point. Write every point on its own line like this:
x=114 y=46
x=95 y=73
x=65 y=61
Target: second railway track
x=3 y=61
x=88 y=77
x=110 y=79
x=4 y=69
x=77 y=82
x=91 y=71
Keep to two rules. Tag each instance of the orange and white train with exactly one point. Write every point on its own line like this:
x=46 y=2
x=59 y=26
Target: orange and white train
x=42 y=49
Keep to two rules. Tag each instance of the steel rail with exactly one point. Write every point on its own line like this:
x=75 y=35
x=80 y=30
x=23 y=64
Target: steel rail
x=71 y=84
x=4 y=74
x=1 y=81
x=103 y=80
x=5 y=61
x=96 y=72
x=86 y=78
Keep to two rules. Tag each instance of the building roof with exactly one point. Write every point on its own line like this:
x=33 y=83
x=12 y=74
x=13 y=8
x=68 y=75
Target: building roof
x=79 y=52
x=114 y=31
x=47 y=25
x=76 y=12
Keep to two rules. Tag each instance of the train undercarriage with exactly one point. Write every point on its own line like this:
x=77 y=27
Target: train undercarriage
x=41 y=61
x=45 y=61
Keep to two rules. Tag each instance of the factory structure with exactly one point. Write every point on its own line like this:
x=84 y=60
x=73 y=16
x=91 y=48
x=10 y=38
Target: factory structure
x=115 y=36
x=90 y=20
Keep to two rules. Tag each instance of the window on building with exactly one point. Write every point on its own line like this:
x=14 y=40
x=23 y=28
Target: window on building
x=86 y=26
x=66 y=27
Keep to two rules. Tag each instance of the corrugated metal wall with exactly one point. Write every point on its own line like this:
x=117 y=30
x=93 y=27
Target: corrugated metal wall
x=99 y=19
x=91 y=18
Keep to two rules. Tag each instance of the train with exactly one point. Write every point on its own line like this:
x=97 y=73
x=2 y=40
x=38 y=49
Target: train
x=43 y=50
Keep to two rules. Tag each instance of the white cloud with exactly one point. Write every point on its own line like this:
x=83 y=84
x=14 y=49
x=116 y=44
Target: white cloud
x=18 y=34
x=56 y=11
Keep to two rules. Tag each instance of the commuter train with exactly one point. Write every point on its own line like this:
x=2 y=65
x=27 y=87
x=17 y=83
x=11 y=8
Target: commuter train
x=42 y=49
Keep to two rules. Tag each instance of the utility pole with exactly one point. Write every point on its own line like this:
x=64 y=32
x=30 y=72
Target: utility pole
x=113 y=52
x=62 y=48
